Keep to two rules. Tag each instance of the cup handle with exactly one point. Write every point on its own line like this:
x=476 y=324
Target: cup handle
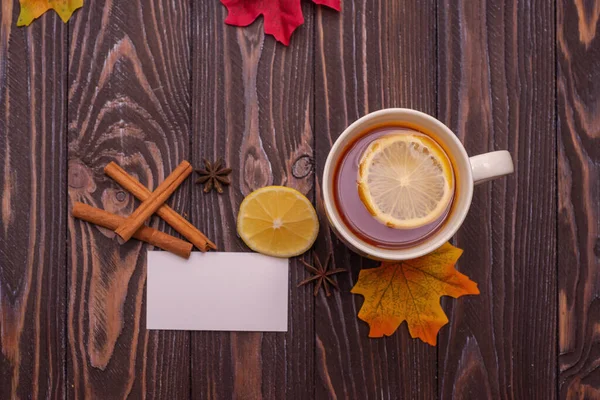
x=489 y=166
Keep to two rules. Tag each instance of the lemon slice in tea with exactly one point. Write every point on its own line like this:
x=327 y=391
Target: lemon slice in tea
x=277 y=221
x=405 y=180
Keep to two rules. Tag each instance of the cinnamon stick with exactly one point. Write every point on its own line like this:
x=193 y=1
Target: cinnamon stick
x=180 y=224
x=154 y=201
x=144 y=233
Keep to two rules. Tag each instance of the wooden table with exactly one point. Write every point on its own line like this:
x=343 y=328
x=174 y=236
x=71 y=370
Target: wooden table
x=150 y=83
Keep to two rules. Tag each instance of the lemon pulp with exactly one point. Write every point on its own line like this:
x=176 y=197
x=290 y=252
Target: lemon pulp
x=277 y=221
x=405 y=180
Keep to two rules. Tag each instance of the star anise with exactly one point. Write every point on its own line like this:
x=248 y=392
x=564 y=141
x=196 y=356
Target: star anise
x=213 y=175
x=321 y=275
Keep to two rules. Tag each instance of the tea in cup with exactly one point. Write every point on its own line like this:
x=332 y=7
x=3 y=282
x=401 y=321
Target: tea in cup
x=398 y=183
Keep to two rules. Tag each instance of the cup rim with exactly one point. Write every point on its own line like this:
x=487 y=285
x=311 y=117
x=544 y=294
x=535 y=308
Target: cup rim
x=354 y=241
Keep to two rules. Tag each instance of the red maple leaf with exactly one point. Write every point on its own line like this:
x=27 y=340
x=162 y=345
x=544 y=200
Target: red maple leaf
x=282 y=17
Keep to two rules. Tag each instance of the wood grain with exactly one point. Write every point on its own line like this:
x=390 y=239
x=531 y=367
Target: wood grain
x=150 y=83
x=32 y=198
x=376 y=54
x=496 y=91
x=129 y=102
x=578 y=82
x=252 y=106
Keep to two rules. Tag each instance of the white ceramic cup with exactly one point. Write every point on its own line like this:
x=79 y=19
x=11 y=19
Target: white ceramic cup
x=470 y=170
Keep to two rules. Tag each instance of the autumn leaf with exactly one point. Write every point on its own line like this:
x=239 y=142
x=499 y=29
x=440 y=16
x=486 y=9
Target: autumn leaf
x=410 y=291
x=282 y=17
x=31 y=9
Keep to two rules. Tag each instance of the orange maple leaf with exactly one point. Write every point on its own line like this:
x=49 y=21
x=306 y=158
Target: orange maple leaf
x=31 y=9
x=410 y=291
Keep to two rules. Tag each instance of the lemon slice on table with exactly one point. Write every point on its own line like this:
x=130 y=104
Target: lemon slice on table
x=277 y=221
x=405 y=180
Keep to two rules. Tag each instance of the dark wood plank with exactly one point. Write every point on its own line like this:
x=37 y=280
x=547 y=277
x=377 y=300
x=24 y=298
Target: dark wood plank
x=376 y=54
x=252 y=106
x=32 y=197
x=578 y=83
x=496 y=91
x=129 y=102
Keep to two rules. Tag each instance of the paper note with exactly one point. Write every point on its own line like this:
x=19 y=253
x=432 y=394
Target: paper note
x=217 y=292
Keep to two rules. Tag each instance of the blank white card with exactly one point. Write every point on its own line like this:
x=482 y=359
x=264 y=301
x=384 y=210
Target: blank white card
x=217 y=292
